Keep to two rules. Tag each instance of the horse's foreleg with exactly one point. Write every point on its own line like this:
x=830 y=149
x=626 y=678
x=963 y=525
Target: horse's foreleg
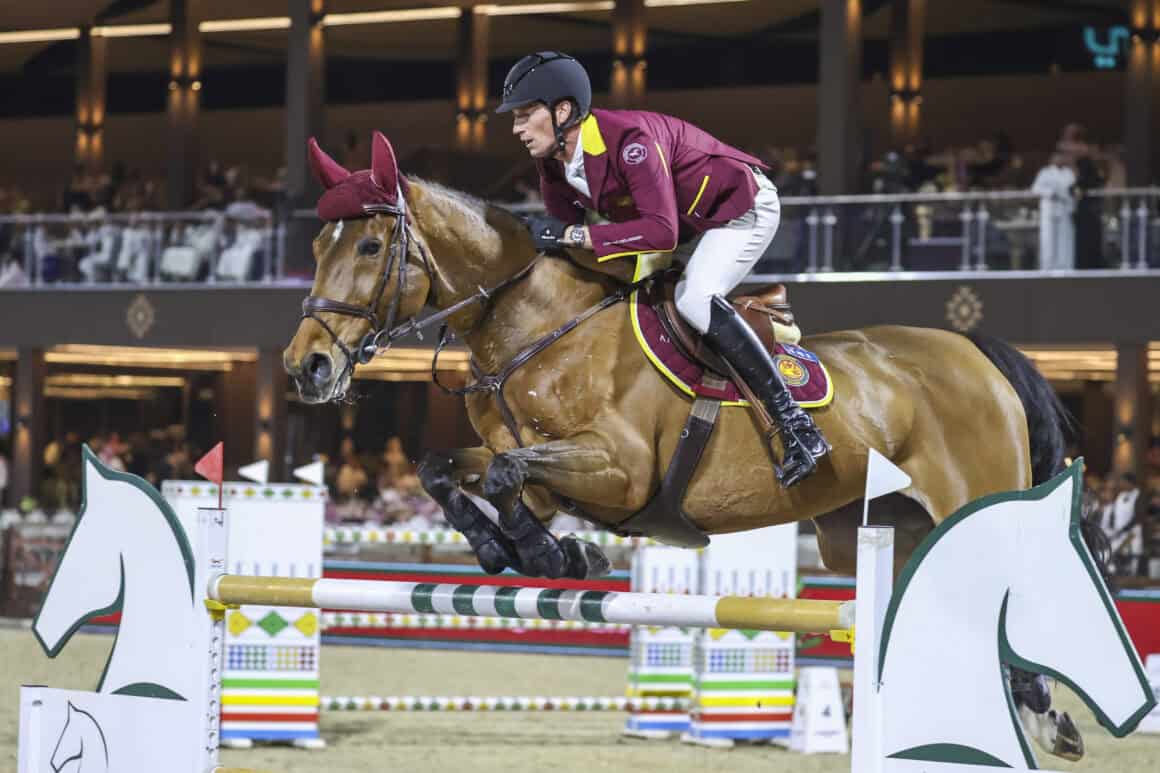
x=443 y=474
x=565 y=467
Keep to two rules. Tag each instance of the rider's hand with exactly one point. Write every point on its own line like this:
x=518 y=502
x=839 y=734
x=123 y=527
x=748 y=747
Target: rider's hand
x=547 y=232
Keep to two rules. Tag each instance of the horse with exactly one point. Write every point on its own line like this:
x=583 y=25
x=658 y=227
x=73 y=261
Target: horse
x=149 y=579
x=573 y=417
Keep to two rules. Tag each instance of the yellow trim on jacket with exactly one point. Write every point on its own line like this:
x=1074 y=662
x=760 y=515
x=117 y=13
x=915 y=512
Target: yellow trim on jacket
x=664 y=161
x=626 y=254
x=700 y=192
x=591 y=140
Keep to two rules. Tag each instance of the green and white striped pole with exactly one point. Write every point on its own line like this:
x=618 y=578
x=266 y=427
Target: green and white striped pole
x=654 y=609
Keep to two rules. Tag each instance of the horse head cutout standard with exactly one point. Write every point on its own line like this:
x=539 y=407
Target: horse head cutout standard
x=128 y=553
x=82 y=747
x=1007 y=581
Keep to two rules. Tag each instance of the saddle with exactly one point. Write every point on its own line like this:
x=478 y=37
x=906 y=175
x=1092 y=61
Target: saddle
x=768 y=313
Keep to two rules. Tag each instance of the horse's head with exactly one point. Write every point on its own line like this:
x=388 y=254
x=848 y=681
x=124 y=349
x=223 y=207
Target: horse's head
x=371 y=273
x=81 y=745
x=88 y=581
x=1059 y=617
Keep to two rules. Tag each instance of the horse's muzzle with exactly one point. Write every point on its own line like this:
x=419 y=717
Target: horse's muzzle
x=314 y=377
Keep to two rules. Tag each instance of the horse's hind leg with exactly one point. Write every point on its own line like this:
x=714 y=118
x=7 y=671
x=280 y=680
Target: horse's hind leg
x=571 y=468
x=443 y=473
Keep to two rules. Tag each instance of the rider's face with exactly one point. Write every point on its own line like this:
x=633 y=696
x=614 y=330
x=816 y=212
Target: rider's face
x=532 y=125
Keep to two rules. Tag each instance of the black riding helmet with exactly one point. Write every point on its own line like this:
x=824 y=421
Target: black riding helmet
x=549 y=77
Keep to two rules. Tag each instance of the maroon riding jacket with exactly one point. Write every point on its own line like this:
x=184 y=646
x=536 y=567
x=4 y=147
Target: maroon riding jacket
x=657 y=178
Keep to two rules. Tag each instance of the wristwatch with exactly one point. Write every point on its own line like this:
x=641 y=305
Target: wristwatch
x=577 y=236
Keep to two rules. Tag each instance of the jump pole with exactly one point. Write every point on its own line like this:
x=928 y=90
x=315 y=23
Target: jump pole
x=766 y=614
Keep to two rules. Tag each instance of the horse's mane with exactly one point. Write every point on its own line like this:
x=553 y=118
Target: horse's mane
x=489 y=213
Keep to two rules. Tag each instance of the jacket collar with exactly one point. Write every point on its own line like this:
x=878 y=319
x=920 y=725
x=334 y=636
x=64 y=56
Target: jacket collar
x=595 y=157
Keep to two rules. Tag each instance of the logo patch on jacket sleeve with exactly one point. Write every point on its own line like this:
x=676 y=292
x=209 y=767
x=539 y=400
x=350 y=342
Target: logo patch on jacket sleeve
x=634 y=153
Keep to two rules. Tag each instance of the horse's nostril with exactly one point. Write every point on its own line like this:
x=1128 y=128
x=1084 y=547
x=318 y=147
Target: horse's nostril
x=317 y=367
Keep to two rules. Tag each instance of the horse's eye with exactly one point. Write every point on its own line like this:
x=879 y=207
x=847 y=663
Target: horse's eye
x=369 y=247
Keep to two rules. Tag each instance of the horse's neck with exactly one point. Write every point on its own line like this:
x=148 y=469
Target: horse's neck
x=157 y=615
x=553 y=294
x=479 y=249
x=944 y=642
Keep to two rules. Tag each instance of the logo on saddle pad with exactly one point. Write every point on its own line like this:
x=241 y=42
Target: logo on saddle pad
x=791 y=371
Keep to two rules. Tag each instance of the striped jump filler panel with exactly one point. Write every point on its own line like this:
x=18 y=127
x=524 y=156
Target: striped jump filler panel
x=500 y=703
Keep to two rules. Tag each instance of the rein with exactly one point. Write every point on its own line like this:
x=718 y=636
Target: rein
x=494 y=382
x=383 y=334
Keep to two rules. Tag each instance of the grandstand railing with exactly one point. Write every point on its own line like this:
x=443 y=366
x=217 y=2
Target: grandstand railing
x=896 y=235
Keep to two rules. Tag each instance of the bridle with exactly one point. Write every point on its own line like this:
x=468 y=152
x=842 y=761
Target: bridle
x=384 y=333
x=381 y=334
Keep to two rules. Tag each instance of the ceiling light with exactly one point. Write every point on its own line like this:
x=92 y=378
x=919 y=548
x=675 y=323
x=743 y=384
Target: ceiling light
x=380 y=17
x=531 y=8
x=246 y=25
x=132 y=30
x=668 y=3
x=40 y=36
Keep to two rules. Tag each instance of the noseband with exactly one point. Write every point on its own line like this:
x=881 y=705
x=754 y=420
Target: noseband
x=381 y=334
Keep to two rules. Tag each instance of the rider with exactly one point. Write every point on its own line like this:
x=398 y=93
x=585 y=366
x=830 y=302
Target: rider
x=657 y=180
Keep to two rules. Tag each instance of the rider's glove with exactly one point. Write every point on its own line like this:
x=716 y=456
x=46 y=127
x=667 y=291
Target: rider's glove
x=547 y=232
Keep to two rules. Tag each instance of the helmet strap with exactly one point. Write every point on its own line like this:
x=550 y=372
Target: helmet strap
x=559 y=129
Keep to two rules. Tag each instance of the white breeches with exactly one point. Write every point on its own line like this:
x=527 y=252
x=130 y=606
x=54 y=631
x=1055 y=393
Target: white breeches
x=722 y=257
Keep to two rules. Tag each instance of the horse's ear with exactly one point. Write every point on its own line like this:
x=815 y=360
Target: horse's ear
x=384 y=169
x=327 y=171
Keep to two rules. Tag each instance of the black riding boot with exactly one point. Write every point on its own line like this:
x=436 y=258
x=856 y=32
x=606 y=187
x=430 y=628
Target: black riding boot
x=732 y=339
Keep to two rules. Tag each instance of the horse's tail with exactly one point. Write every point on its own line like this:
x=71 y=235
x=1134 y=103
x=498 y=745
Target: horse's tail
x=1048 y=423
x=1047 y=418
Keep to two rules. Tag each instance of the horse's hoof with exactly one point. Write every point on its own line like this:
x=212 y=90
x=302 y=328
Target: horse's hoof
x=493 y=558
x=585 y=560
x=435 y=476
x=1068 y=741
x=505 y=477
x=1054 y=732
x=545 y=560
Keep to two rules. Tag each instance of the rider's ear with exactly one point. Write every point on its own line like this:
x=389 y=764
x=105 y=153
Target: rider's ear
x=563 y=111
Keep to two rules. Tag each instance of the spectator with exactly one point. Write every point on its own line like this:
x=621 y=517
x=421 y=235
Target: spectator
x=1088 y=235
x=1054 y=184
x=395 y=465
x=352 y=475
x=3 y=474
x=1123 y=523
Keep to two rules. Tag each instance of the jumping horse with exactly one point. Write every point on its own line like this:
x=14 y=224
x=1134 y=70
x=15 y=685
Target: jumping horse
x=573 y=416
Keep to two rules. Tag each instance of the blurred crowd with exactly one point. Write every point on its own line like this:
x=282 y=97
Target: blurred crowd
x=382 y=490
x=1127 y=509
x=232 y=232
x=379 y=489
x=113 y=232
x=376 y=490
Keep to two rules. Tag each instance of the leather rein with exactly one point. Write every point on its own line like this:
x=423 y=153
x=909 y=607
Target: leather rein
x=384 y=333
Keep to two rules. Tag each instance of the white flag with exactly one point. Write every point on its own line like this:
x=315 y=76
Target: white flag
x=311 y=473
x=883 y=477
x=259 y=471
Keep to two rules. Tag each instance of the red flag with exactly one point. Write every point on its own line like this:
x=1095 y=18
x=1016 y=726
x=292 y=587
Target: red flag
x=211 y=467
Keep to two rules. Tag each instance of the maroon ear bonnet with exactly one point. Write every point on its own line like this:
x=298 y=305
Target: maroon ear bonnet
x=349 y=193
